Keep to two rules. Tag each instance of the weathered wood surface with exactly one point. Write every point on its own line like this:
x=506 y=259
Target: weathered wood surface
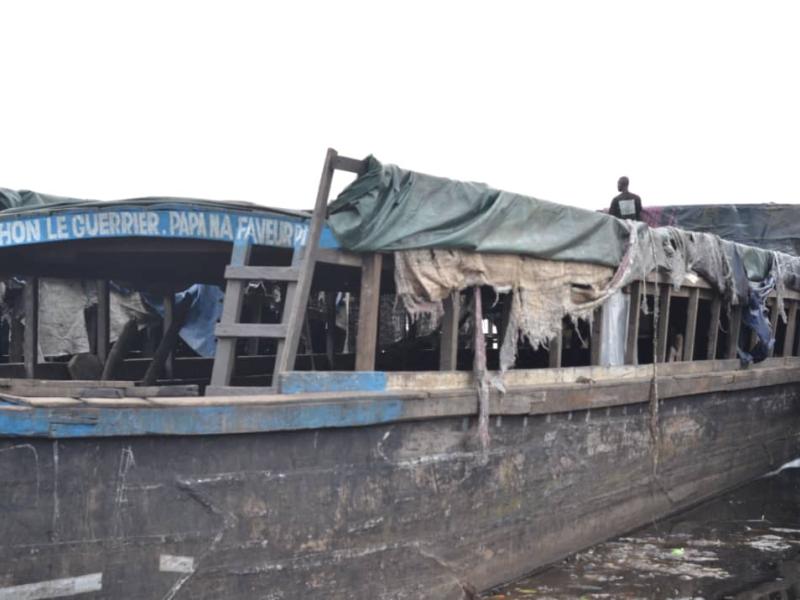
x=400 y=511
x=368 y=305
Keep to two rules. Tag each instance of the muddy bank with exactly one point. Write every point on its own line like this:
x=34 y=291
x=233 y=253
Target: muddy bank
x=743 y=545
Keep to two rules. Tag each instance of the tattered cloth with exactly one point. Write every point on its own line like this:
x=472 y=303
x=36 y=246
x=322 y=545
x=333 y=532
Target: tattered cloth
x=544 y=291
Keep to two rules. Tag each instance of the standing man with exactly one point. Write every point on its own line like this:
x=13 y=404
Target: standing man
x=626 y=205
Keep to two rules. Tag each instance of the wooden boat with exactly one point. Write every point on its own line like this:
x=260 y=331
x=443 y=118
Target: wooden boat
x=347 y=474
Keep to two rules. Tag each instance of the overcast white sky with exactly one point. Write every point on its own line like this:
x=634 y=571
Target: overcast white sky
x=695 y=101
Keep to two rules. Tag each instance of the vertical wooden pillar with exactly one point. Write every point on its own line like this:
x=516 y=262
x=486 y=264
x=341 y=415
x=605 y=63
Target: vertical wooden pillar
x=169 y=318
x=691 y=323
x=664 y=296
x=632 y=339
x=556 y=343
x=31 y=350
x=448 y=343
x=713 y=327
x=773 y=323
x=791 y=327
x=596 y=336
x=330 y=328
x=16 y=343
x=368 y=304
x=103 y=320
x=734 y=327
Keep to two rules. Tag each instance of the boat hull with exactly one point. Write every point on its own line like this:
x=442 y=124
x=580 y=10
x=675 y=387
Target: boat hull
x=412 y=509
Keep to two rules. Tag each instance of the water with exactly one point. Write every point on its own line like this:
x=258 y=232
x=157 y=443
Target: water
x=743 y=545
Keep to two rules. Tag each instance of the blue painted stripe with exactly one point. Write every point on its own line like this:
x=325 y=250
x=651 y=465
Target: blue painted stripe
x=162 y=221
x=204 y=420
x=300 y=382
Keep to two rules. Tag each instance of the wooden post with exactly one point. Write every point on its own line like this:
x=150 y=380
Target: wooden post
x=103 y=320
x=448 y=341
x=330 y=328
x=773 y=323
x=31 y=349
x=791 y=327
x=119 y=350
x=596 y=336
x=258 y=317
x=554 y=354
x=691 y=323
x=169 y=318
x=16 y=342
x=664 y=296
x=368 y=304
x=734 y=327
x=632 y=339
x=713 y=327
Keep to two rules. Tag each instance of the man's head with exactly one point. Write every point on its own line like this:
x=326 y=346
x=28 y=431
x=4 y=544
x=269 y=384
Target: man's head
x=622 y=184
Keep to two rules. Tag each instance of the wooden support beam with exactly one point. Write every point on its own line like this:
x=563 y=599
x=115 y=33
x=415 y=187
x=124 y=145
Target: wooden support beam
x=554 y=354
x=596 y=336
x=369 y=301
x=169 y=317
x=773 y=322
x=664 y=295
x=257 y=273
x=791 y=328
x=713 y=328
x=31 y=350
x=119 y=350
x=734 y=328
x=691 y=324
x=448 y=340
x=634 y=313
x=330 y=328
x=16 y=342
x=103 y=319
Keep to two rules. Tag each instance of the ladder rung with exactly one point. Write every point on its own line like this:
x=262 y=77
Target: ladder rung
x=251 y=330
x=266 y=273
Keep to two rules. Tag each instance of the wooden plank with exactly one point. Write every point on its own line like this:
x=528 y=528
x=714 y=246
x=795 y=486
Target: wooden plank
x=713 y=327
x=103 y=319
x=16 y=342
x=225 y=356
x=341 y=258
x=120 y=349
x=296 y=301
x=369 y=301
x=554 y=353
x=330 y=328
x=169 y=317
x=596 y=336
x=691 y=324
x=634 y=314
x=448 y=338
x=31 y=350
x=791 y=328
x=664 y=295
x=353 y=165
x=258 y=273
x=734 y=327
x=250 y=330
x=773 y=323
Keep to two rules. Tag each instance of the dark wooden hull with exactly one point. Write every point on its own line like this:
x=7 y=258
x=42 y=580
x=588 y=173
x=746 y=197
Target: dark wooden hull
x=405 y=510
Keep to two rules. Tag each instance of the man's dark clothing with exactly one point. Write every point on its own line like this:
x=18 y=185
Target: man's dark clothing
x=627 y=206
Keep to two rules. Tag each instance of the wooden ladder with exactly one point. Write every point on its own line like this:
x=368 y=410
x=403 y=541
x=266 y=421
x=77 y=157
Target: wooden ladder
x=298 y=279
